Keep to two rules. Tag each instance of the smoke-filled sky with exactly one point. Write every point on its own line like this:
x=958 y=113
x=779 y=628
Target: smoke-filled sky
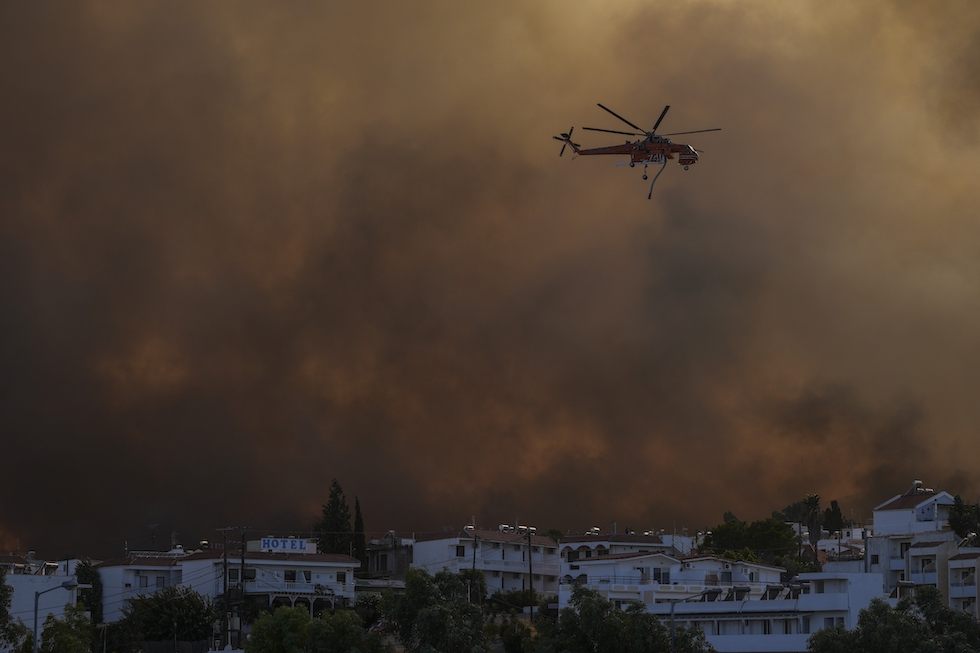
x=247 y=248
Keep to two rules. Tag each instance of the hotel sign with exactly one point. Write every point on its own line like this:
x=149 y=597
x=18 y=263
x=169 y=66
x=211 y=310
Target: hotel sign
x=287 y=545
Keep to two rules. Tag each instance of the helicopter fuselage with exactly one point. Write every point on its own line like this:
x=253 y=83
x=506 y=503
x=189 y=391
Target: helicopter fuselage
x=649 y=151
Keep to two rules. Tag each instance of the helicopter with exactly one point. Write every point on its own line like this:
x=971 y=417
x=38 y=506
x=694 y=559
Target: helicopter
x=652 y=149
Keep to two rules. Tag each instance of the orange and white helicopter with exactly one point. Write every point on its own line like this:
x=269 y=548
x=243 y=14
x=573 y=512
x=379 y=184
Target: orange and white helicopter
x=652 y=149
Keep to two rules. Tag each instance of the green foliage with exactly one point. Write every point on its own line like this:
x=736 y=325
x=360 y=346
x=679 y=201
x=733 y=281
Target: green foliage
x=72 y=633
x=964 y=518
x=766 y=539
x=360 y=542
x=434 y=614
x=12 y=632
x=833 y=520
x=290 y=630
x=555 y=533
x=173 y=611
x=745 y=555
x=515 y=636
x=90 y=598
x=511 y=602
x=919 y=624
x=591 y=624
x=729 y=517
x=283 y=631
x=368 y=608
x=333 y=531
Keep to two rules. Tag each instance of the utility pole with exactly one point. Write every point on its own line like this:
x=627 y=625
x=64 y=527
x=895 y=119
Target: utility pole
x=226 y=611
x=530 y=571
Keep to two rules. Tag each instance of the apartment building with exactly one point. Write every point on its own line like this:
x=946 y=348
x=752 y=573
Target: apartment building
x=509 y=561
x=741 y=607
x=912 y=542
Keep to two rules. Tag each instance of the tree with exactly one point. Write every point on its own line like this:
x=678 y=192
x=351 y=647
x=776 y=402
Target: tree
x=90 y=598
x=72 y=633
x=434 y=615
x=12 y=632
x=729 y=517
x=591 y=624
x=175 y=612
x=555 y=533
x=333 y=530
x=919 y=624
x=290 y=630
x=832 y=517
x=813 y=518
x=283 y=631
x=964 y=518
x=360 y=544
x=768 y=539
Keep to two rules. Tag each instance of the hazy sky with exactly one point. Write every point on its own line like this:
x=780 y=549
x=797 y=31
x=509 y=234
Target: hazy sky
x=248 y=247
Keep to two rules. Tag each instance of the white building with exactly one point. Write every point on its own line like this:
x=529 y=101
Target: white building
x=280 y=575
x=502 y=557
x=313 y=580
x=919 y=510
x=962 y=578
x=740 y=606
x=576 y=547
x=912 y=542
x=26 y=576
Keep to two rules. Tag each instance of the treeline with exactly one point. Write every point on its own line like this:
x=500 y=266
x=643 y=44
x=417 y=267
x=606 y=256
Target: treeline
x=447 y=613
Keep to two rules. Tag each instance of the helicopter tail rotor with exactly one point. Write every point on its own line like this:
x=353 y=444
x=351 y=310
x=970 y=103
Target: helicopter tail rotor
x=566 y=138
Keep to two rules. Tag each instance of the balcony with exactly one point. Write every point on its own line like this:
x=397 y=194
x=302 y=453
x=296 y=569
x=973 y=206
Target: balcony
x=896 y=563
x=924 y=578
x=963 y=588
x=281 y=587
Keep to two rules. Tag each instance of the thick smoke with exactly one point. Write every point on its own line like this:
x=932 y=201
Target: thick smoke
x=246 y=249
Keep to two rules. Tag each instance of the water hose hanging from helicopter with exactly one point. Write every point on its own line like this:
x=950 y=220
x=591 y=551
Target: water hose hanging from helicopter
x=662 y=166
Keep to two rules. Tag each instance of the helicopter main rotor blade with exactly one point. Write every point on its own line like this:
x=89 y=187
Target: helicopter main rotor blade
x=639 y=129
x=613 y=131
x=660 y=118
x=697 y=131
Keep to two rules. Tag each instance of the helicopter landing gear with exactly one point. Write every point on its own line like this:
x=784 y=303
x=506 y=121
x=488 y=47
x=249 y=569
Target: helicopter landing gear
x=632 y=165
x=645 y=173
x=686 y=167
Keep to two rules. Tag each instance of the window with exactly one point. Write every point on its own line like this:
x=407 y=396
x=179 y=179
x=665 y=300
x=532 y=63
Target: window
x=496 y=574
x=496 y=545
x=289 y=575
x=766 y=627
x=233 y=575
x=160 y=582
x=460 y=551
x=342 y=577
x=383 y=562
x=536 y=549
x=537 y=576
x=517 y=547
x=572 y=556
x=806 y=625
x=516 y=576
x=874 y=559
x=588 y=553
x=828 y=622
x=144 y=581
x=249 y=573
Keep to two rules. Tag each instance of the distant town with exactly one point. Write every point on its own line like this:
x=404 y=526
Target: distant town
x=725 y=583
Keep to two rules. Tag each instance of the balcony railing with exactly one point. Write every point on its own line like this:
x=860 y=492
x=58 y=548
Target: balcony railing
x=276 y=587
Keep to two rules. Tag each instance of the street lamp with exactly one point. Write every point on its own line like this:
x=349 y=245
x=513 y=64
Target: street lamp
x=673 y=604
x=67 y=585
